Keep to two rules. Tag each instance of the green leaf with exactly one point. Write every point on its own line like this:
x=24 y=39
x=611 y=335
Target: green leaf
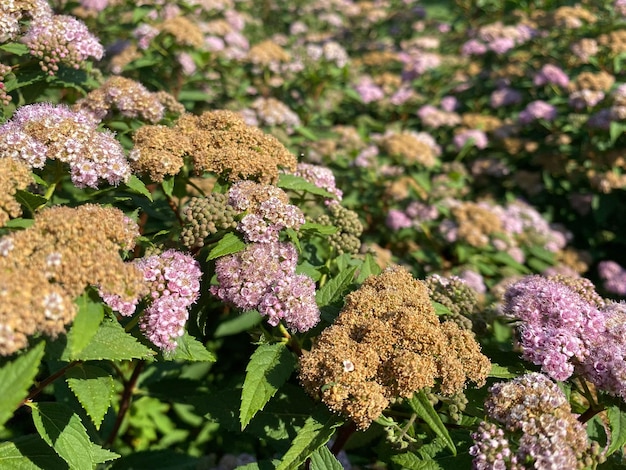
x=86 y=323
x=323 y=459
x=368 y=268
x=168 y=185
x=15 y=48
x=238 y=324
x=304 y=132
x=616 y=129
x=110 y=342
x=29 y=452
x=62 y=430
x=29 y=200
x=194 y=95
x=15 y=379
x=19 y=223
x=157 y=460
x=505 y=372
x=507 y=260
x=317 y=430
x=319 y=229
x=296 y=183
x=440 y=309
x=190 y=349
x=424 y=409
x=333 y=289
x=94 y=388
x=617 y=423
x=135 y=185
x=270 y=366
x=411 y=461
x=229 y=244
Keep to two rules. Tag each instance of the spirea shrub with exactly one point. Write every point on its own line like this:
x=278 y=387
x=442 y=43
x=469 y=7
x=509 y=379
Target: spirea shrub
x=312 y=234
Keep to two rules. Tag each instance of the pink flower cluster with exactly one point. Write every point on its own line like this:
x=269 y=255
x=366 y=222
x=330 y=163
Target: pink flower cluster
x=61 y=39
x=41 y=131
x=557 y=324
x=537 y=110
x=613 y=277
x=473 y=137
x=38 y=132
x=263 y=277
x=174 y=282
x=320 y=176
x=551 y=75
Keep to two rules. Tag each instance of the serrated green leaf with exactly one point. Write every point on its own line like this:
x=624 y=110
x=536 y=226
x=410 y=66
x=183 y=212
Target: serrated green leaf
x=317 y=430
x=368 y=268
x=507 y=260
x=505 y=372
x=238 y=324
x=424 y=409
x=29 y=453
x=15 y=48
x=94 y=388
x=190 y=349
x=333 y=289
x=318 y=228
x=440 y=309
x=323 y=459
x=19 y=223
x=617 y=424
x=411 y=461
x=135 y=185
x=15 y=379
x=86 y=323
x=270 y=366
x=63 y=430
x=29 y=200
x=110 y=342
x=296 y=183
x=168 y=185
x=229 y=244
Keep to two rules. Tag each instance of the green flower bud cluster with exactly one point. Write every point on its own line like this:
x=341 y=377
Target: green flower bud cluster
x=346 y=239
x=453 y=293
x=204 y=216
x=452 y=406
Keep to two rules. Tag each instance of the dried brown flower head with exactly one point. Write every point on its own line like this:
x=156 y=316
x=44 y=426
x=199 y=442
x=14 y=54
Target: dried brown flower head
x=184 y=31
x=14 y=175
x=46 y=266
x=410 y=147
x=388 y=342
x=267 y=53
x=476 y=223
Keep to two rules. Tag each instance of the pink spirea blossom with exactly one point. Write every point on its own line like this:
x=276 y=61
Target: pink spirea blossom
x=537 y=110
x=95 y=5
x=70 y=137
x=263 y=277
x=369 y=91
x=551 y=75
x=557 y=325
x=61 y=39
x=397 y=220
x=320 y=176
x=174 y=280
x=504 y=96
x=475 y=137
x=613 y=277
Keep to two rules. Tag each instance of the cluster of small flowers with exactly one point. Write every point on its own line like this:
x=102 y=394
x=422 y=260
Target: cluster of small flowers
x=173 y=280
x=431 y=116
x=369 y=91
x=613 y=277
x=498 y=38
x=417 y=62
x=271 y=112
x=61 y=39
x=504 y=96
x=320 y=176
x=13 y=11
x=346 y=239
x=204 y=216
x=46 y=266
x=263 y=277
x=5 y=98
x=330 y=51
x=131 y=98
x=551 y=75
x=388 y=342
x=471 y=137
x=14 y=175
x=551 y=435
x=268 y=211
x=40 y=131
x=558 y=325
x=537 y=110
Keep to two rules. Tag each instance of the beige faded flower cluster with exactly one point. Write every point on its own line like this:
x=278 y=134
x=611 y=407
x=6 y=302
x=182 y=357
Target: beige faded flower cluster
x=46 y=266
x=14 y=175
x=217 y=141
x=131 y=98
x=388 y=342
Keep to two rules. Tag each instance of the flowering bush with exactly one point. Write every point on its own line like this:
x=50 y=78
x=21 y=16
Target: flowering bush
x=312 y=234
